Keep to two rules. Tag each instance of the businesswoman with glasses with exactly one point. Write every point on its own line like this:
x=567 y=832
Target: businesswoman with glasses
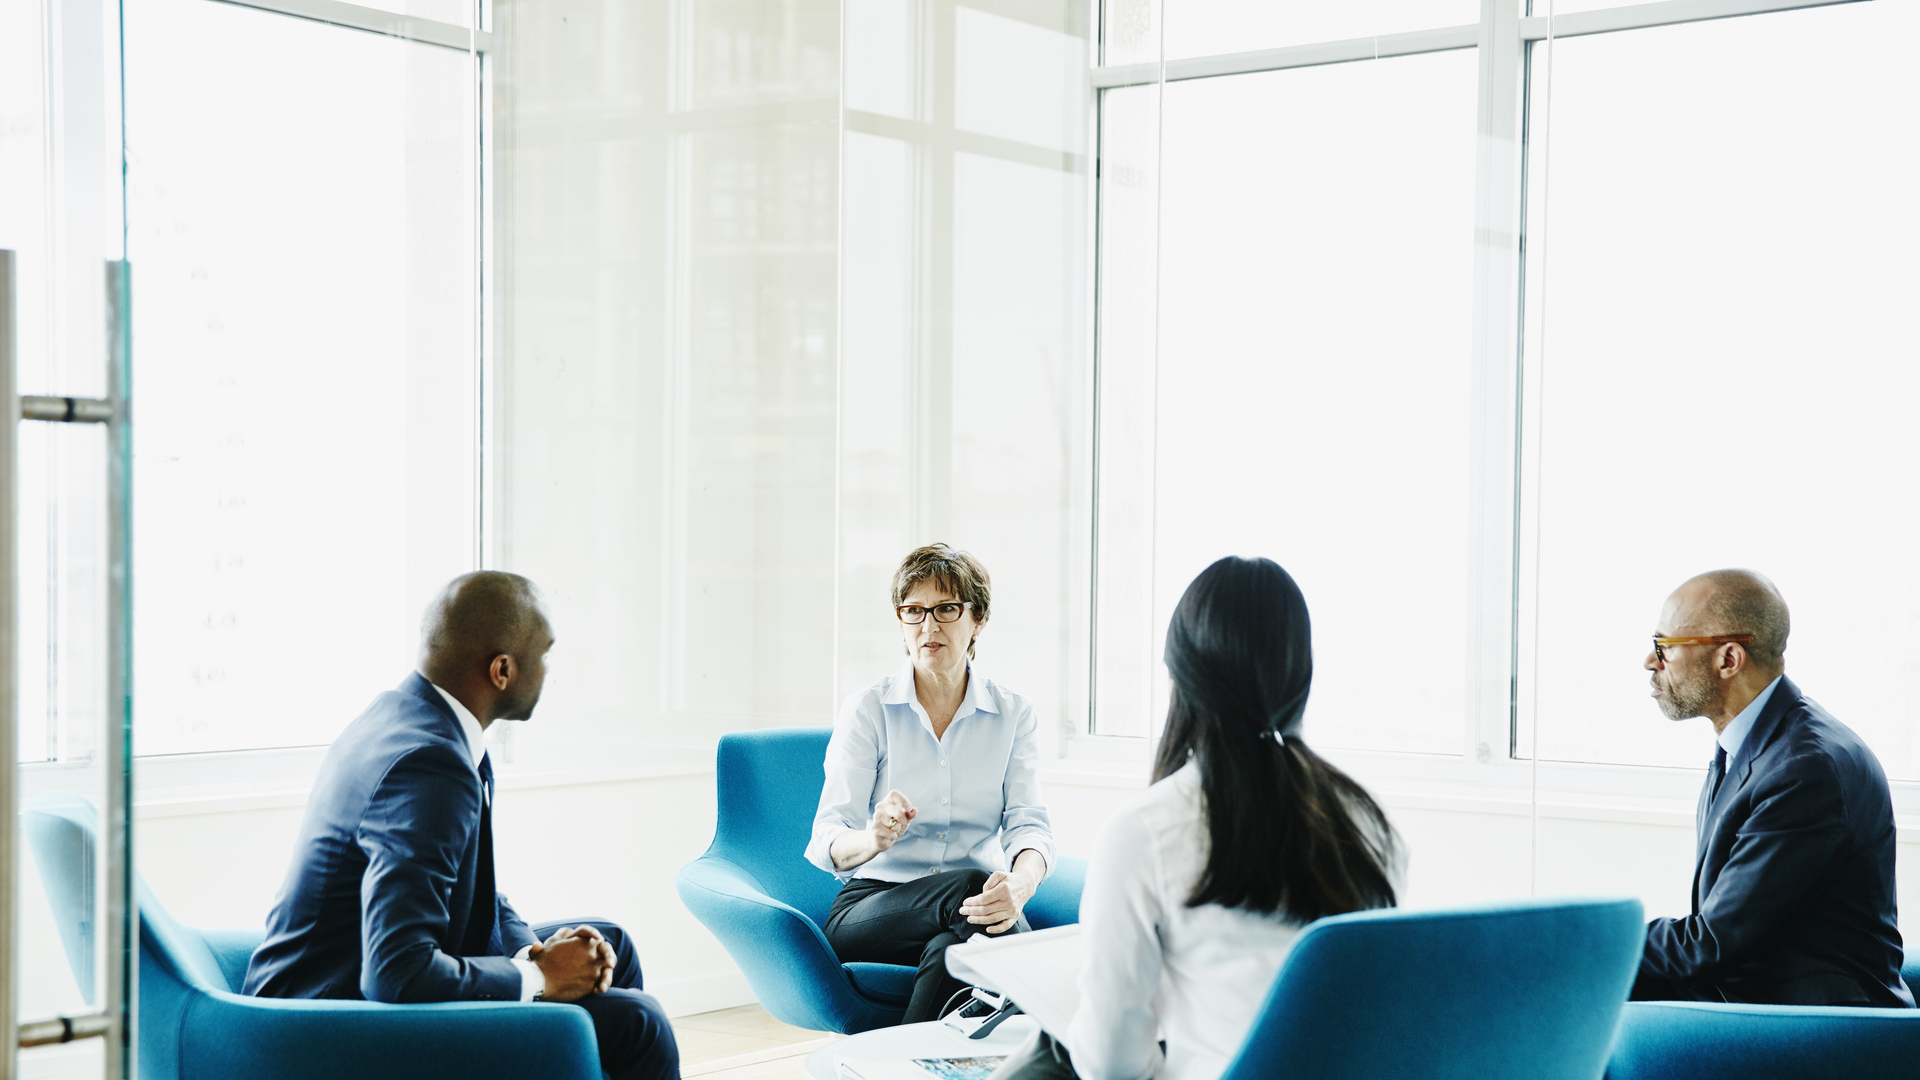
x=931 y=812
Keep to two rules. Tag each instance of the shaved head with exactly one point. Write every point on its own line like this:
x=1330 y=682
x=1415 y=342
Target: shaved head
x=487 y=627
x=1738 y=602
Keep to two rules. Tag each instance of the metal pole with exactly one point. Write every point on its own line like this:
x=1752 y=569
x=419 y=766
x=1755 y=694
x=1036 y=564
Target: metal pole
x=122 y=915
x=9 y=737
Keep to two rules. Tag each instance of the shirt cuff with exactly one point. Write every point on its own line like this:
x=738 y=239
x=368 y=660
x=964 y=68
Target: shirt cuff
x=532 y=982
x=1046 y=864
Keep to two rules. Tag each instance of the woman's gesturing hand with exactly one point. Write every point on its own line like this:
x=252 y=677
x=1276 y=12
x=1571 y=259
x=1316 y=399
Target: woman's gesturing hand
x=999 y=903
x=890 y=819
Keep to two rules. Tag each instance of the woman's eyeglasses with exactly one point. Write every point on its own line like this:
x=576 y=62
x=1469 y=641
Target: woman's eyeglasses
x=914 y=614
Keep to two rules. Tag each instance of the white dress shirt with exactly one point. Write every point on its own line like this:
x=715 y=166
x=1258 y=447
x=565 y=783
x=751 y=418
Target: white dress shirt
x=1736 y=730
x=975 y=787
x=532 y=981
x=1155 y=967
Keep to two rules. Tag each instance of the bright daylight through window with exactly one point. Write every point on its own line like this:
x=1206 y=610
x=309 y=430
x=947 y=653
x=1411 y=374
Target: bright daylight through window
x=303 y=200
x=1709 y=364
x=1730 y=365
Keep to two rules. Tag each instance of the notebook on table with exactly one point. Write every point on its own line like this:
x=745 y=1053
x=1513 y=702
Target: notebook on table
x=1040 y=971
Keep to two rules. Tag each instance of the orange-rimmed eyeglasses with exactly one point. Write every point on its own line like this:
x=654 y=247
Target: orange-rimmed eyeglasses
x=1662 y=644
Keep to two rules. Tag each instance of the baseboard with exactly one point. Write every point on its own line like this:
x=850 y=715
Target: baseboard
x=685 y=997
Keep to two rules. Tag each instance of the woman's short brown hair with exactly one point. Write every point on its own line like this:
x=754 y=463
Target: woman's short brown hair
x=957 y=572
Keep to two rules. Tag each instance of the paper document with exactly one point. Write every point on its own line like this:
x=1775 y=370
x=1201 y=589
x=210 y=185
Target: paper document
x=1040 y=971
x=952 y=1068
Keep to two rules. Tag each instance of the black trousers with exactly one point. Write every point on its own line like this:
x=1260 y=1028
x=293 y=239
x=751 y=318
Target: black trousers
x=911 y=923
x=636 y=1042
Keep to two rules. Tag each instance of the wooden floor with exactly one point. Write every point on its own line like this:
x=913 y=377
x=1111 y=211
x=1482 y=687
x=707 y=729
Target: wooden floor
x=744 y=1044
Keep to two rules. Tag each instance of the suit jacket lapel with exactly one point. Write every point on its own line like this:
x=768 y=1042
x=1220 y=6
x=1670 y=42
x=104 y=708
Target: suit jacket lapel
x=1766 y=728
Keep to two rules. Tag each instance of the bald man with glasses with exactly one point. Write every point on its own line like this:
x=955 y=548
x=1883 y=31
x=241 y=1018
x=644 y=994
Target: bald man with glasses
x=1793 y=893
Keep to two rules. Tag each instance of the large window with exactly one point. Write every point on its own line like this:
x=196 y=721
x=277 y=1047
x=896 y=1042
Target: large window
x=1727 y=363
x=1305 y=392
x=1493 y=330
x=307 y=337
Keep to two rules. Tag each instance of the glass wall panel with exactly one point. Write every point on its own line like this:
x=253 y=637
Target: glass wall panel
x=877 y=381
x=1016 y=410
x=755 y=519
x=1126 y=387
x=308 y=446
x=1311 y=391
x=1729 y=364
x=1017 y=81
x=61 y=241
x=741 y=51
x=882 y=46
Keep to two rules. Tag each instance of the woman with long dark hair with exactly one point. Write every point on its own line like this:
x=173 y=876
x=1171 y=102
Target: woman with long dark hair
x=1199 y=886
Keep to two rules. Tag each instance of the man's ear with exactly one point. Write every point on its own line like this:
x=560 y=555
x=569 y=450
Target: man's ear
x=502 y=671
x=1733 y=661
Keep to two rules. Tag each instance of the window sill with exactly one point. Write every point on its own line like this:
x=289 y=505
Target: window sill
x=247 y=780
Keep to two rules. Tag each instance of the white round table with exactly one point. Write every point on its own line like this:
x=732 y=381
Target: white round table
x=928 y=1040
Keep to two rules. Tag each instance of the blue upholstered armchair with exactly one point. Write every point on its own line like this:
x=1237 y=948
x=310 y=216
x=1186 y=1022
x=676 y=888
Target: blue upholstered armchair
x=195 y=1026
x=766 y=903
x=1685 y=1040
x=1521 y=991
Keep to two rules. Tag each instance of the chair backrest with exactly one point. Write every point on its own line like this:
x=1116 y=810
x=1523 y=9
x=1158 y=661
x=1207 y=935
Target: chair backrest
x=59 y=827
x=62 y=830
x=1521 y=991
x=769 y=786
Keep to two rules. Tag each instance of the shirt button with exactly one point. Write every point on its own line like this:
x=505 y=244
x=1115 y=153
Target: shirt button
x=943 y=764
x=943 y=802
x=943 y=836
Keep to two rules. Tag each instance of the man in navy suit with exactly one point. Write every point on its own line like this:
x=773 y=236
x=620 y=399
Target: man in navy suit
x=1793 y=898
x=390 y=896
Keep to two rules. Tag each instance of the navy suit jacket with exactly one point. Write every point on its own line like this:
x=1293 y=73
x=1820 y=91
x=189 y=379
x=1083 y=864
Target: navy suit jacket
x=1793 y=897
x=390 y=894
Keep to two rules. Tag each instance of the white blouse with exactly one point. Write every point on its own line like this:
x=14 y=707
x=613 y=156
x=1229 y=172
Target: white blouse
x=977 y=787
x=1156 y=968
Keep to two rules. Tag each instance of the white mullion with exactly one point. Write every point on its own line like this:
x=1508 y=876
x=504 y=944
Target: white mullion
x=1443 y=39
x=1489 y=668
x=375 y=21
x=1664 y=13
x=1293 y=56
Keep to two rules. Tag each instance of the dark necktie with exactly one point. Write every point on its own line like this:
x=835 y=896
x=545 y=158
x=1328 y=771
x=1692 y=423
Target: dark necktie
x=1714 y=776
x=480 y=924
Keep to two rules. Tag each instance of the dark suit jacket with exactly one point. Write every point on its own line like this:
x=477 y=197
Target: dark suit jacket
x=390 y=895
x=1793 y=899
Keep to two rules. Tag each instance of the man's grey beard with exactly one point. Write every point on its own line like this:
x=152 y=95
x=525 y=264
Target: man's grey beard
x=1687 y=697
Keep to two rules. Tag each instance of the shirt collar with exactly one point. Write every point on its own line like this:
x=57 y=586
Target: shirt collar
x=1737 y=729
x=900 y=691
x=469 y=725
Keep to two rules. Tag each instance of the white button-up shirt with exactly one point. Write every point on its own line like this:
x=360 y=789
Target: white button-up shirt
x=1737 y=728
x=1156 y=967
x=976 y=788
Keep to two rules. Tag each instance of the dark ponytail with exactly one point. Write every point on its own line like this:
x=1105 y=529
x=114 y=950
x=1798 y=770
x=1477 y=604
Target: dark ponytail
x=1289 y=832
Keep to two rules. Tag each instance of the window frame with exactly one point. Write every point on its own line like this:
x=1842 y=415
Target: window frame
x=213 y=770
x=1489 y=760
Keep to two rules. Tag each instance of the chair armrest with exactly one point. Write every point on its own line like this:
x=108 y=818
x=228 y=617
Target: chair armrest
x=233 y=950
x=786 y=959
x=1057 y=901
x=232 y=1037
x=1673 y=1040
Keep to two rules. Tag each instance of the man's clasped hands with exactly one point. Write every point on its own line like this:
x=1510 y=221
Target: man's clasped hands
x=997 y=907
x=576 y=961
